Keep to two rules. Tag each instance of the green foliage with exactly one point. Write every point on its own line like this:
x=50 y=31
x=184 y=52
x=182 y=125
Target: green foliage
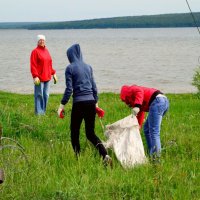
x=145 y=21
x=151 y=21
x=196 y=79
x=55 y=173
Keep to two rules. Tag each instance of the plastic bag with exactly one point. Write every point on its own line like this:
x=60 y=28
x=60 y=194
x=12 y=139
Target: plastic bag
x=125 y=139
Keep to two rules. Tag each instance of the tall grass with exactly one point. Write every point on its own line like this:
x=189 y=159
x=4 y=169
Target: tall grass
x=54 y=172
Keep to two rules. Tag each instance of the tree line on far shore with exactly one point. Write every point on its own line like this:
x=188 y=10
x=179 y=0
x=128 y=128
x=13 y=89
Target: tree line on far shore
x=145 y=21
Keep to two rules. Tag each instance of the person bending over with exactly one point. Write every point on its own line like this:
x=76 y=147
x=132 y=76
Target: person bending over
x=144 y=99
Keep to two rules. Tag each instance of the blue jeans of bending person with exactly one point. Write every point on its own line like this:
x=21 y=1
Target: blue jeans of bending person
x=157 y=110
x=41 y=95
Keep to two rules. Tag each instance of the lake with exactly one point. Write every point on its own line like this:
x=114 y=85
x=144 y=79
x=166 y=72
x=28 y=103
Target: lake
x=164 y=58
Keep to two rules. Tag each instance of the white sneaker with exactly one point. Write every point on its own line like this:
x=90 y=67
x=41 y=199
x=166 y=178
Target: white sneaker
x=107 y=160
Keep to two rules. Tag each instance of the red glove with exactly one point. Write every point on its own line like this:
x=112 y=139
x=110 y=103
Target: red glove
x=62 y=114
x=100 y=112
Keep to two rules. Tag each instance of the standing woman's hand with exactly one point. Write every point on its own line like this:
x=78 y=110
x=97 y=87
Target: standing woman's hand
x=55 y=78
x=36 y=81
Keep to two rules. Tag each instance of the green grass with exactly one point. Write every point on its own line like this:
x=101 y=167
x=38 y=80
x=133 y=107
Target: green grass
x=55 y=173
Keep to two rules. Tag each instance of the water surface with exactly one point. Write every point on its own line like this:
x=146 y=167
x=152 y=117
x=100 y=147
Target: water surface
x=164 y=58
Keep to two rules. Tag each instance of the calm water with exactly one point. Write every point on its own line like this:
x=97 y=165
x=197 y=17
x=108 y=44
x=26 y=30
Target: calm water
x=161 y=58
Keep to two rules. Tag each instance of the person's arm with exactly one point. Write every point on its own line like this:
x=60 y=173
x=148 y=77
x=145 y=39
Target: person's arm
x=140 y=118
x=68 y=89
x=67 y=93
x=138 y=96
x=53 y=71
x=94 y=87
x=33 y=64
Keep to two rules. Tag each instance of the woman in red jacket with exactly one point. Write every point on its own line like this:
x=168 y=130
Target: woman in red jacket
x=143 y=99
x=41 y=70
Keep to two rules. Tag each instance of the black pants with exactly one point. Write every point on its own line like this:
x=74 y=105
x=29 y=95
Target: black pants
x=85 y=110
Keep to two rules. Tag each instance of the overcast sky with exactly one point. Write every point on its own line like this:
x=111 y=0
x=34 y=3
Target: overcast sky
x=65 y=10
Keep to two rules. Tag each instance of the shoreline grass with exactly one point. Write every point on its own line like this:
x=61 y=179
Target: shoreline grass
x=55 y=173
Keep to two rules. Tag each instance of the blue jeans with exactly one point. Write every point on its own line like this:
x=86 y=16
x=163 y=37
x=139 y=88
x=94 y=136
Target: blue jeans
x=157 y=110
x=41 y=95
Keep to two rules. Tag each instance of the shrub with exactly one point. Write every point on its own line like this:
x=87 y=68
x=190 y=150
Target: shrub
x=196 y=79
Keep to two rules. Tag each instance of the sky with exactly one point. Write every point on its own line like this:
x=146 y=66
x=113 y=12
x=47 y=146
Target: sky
x=65 y=10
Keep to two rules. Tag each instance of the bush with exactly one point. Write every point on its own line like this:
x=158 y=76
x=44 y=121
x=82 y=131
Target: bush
x=196 y=79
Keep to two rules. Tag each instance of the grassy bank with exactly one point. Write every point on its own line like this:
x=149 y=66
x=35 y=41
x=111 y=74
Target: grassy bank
x=54 y=172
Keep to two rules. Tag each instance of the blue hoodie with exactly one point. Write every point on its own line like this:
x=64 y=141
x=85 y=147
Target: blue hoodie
x=79 y=78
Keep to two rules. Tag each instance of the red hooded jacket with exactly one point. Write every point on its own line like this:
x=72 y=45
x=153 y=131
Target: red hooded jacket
x=41 y=64
x=138 y=96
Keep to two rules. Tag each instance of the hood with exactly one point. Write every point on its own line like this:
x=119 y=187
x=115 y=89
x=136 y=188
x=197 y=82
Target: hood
x=124 y=92
x=74 y=53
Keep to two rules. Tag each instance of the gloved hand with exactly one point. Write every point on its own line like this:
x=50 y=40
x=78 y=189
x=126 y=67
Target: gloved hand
x=55 y=78
x=135 y=111
x=61 y=112
x=36 y=81
x=100 y=112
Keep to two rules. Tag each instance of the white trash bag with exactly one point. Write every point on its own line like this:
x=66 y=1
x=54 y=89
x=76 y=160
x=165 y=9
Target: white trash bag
x=125 y=139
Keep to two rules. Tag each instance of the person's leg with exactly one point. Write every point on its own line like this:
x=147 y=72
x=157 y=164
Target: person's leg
x=89 y=117
x=76 y=119
x=154 y=129
x=46 y=94
x=156 y=112
x=38 y=99
x=147 y=134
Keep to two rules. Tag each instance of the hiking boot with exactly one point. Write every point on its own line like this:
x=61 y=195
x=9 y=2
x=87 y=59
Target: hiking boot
x=107 y=161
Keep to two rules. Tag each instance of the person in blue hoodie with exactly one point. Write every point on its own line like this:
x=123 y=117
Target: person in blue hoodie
x=80 y=82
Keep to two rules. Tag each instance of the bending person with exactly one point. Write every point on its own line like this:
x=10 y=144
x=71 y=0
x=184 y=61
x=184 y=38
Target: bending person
x=153 y=101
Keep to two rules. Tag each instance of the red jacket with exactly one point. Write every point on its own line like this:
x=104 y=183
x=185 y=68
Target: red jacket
x=138 y=96
x=41 y=64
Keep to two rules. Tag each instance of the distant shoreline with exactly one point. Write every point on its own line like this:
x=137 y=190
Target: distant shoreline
x=144 y=21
